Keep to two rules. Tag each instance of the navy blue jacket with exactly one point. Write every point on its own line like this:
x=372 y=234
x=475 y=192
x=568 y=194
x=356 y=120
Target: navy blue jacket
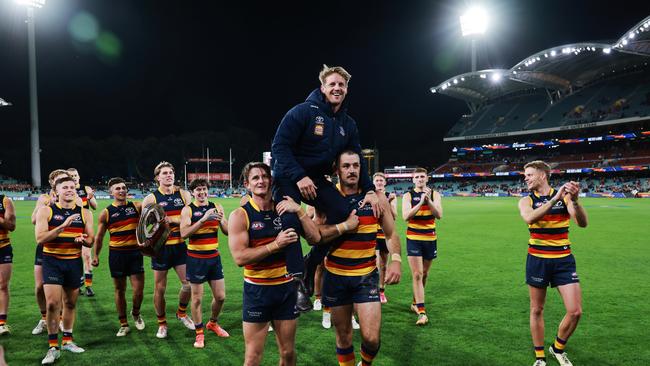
x=309 y=139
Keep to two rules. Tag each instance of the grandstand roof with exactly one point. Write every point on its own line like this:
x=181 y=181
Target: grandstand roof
x=557 y=68
x=637 y=39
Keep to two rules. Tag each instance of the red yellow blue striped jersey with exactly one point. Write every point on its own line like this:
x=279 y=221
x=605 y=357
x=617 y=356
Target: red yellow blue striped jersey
x=81 y=192
x=4 y=233
x=172 y=204
x=380 y=232
x=64 y=246
x=122 y=222
x=263 y=228
x=549 y=237
x=422 y=226
x=353 y=253
x=204 y=243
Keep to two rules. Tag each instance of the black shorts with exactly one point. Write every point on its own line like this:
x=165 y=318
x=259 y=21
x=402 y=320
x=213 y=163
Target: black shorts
x=263 y=303
x=340 y=290
x=123 y=263
x=540 y=272
x=428 y=250
x=64 y=272
x=38 y=257
x=200 y=270
x=381 y=246
x=6 y=254
x=170 y=257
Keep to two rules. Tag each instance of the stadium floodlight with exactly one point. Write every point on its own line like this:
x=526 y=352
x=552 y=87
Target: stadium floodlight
x=4 y=103
x=496 y=77
x=474 y=23
x=607 y=50
x=33 y=95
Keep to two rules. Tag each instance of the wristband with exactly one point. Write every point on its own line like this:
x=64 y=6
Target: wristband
x=301 y=216
x=396 y=257
x=267 y=248
x=277 y=245
x=345 y=225
x=337 y=229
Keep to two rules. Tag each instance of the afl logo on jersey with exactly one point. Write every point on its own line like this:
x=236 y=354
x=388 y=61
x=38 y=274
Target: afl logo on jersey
x=163 y=204
x=538 y=204
x=257 y=225
x=116 y=214
x=58 y=217
x=198 y=214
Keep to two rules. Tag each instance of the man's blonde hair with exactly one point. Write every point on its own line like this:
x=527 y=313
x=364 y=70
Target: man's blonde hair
x=162 y=164
x=55 y=173
x=378 y=174
x=327 y=71
x=540 y=165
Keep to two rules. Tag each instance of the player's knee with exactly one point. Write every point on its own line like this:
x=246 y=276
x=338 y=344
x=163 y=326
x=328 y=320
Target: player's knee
x=4 y=286
x=576 y=313
x=52 y=307
x=220 y=296
x=160 y=288
x=418 y=275
x=69 y=305
x=287 y=354
x=536 y=310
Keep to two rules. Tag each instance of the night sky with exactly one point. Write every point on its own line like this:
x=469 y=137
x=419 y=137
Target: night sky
x=154 y=68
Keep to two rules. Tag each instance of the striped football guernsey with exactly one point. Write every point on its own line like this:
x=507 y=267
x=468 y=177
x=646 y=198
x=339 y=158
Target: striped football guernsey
x=549 y=237
x=263 y=228
x=204 y=243
x=422 y=226
x=173 y=205
x=121 y=222
x=4 y=233
x=64 y=246
x=353 y=254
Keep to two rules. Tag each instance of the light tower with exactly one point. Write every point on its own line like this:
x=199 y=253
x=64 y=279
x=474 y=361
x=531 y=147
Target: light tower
x=474 y=24
x=33 y=95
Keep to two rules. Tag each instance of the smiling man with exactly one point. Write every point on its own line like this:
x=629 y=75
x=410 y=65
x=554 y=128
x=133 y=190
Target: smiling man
x=305 y=146
x=547 y=212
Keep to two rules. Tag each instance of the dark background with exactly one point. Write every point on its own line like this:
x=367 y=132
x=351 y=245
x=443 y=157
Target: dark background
x=165 y=79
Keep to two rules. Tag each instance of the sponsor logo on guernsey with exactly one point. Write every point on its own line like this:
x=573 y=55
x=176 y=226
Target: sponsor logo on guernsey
x=277 y=223
x=257 y=225
x=129 y=210
x=319 y=128
x=178 y=201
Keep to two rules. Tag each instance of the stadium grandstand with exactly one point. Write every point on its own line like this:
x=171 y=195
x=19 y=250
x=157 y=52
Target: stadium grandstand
x=583 y=107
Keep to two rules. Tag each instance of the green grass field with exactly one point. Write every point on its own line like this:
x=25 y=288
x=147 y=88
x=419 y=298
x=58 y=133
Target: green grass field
x=476 y=300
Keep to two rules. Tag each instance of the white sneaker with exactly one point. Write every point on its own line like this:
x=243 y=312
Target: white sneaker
x=539 y=363
x=270 y=328
x=318 y=306
x=123 y=331
x=562 y=358
x=355 y=325
x=72 y=347
x=327 y=320
x=187 y=322
x=4 y=329
x=162 y=332
x=61 y=325
x=52 y=355
x=40 y=327
x=139 y=323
